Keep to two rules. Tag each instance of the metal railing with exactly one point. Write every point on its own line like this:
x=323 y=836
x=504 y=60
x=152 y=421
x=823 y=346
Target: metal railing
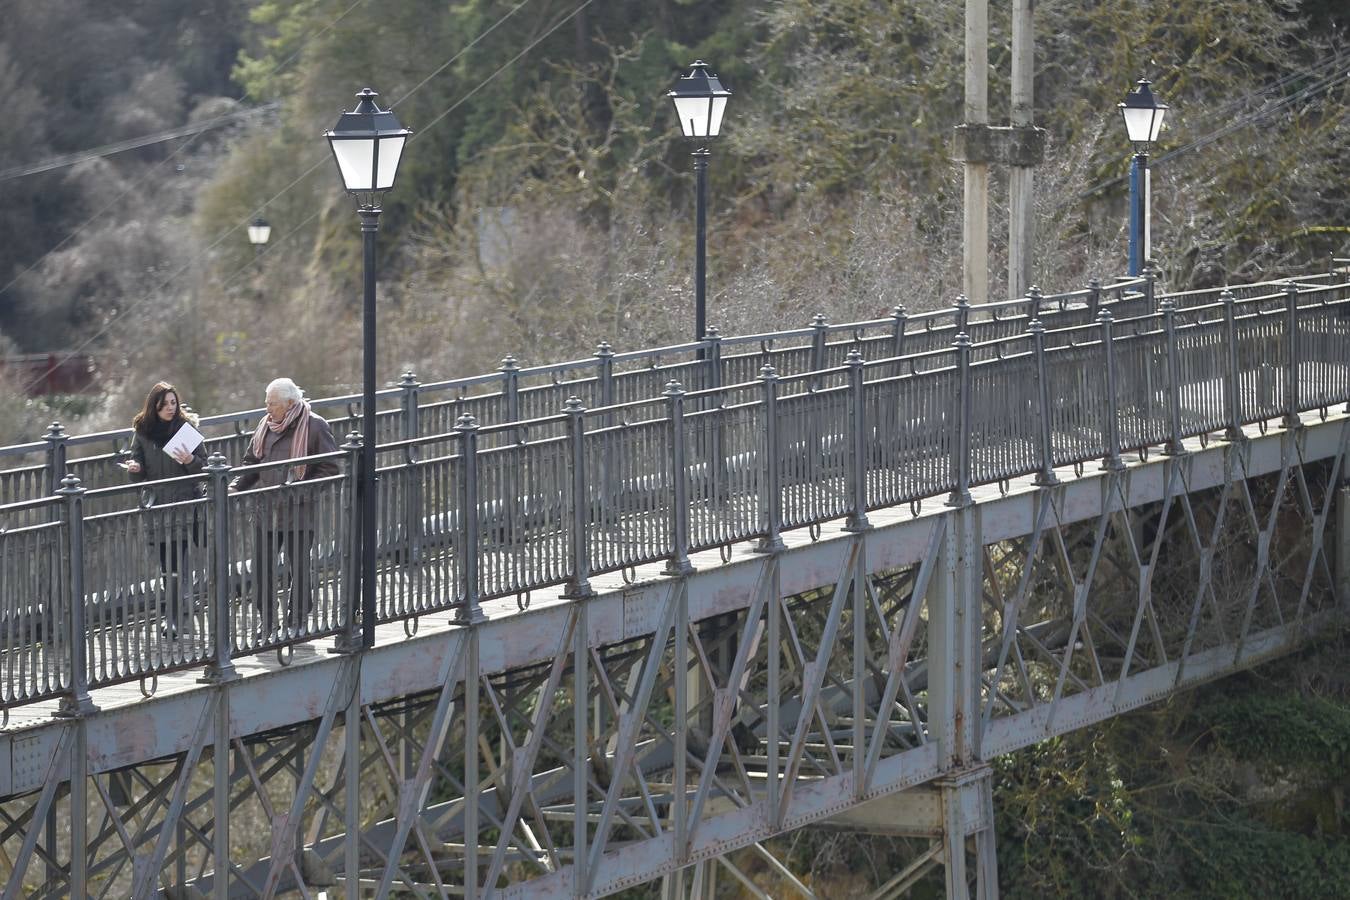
x=105 y=586
x=512 y=393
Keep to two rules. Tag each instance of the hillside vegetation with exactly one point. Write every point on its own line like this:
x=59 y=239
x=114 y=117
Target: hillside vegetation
x=546 y=203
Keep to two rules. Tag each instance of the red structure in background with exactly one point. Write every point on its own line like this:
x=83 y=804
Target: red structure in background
x=39 y=374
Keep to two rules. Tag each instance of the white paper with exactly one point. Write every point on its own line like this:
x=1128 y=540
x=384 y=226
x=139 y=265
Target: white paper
x=187 y=438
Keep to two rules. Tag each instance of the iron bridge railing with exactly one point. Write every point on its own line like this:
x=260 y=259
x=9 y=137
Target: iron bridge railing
x=101 y=586
x=512 y=393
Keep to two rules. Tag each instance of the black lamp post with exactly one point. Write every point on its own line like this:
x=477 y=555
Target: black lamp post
x=700 y=100
x=1143 y=116
x=367 y=144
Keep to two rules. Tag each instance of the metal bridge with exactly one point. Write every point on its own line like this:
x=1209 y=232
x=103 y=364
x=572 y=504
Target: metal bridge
x=640 y=613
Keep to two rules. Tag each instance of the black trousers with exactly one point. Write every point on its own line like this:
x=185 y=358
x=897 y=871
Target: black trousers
x=176 y=567
x=295 y=585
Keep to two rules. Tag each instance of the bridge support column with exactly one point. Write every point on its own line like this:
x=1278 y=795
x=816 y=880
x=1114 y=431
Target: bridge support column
x=220 y=796
x=954 y=626
x=1342 y=549
x=954 y=706
x=351 y=806
x=968 y=813
x=79 y=811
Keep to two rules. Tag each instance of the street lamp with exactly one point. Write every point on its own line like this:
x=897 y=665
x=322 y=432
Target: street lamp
x=1143 y=116
x=258 y=233
x=367 y=145
x=700 y=100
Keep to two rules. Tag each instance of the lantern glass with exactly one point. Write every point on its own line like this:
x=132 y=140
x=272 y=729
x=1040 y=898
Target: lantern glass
x=1142 y=124
x=391 y=149
x=259 y=231
x=356 y=162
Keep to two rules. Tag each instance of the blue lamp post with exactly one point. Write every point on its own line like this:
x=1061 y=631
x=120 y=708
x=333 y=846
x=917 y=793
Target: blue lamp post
x=1143 y=116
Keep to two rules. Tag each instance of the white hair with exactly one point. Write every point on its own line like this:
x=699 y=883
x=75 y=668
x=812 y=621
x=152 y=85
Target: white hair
x=285 y=389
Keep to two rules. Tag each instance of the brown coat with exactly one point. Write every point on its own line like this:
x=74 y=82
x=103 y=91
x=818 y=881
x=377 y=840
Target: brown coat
x=277 y=447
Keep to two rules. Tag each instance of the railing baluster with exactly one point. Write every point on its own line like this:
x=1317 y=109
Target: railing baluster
x=76 y=701
x=469 y=608
x=1233 y=383
x=770 y=477
x=820 y=326
x=604 y=369
x=56 y=438
x=962 y=308
x=510 y=372
x=409 y=402
x=1045 y=474
x=349 y=635
x=1173 y=446
x=678 y=563
x=221 y=666
x=857 y=520
x=714 y=439
x=960 y=453
x=1111 y=461
x=898 y=320
x=412 y=509
x=1291 y=392
x=579 y=585
x=712 y=346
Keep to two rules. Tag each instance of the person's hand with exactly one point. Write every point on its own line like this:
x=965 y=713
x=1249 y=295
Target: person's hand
x=132 y=466
x=182 y=456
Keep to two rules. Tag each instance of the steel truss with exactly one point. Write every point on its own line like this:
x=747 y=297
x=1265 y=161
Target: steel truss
x=672 y=755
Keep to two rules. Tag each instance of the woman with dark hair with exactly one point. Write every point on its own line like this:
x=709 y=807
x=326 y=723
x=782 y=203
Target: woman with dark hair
x=157 y=422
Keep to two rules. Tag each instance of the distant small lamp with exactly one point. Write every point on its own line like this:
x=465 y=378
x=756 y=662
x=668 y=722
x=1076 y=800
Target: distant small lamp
x=700 y=102
x=258 y=233
x=1143 y=116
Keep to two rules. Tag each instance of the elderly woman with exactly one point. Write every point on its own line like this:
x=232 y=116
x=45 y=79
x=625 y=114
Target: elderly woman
x=286 y=524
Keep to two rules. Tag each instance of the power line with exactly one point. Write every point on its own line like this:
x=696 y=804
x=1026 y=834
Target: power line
x=422 y=130
x=159 y=137
x=177 y=150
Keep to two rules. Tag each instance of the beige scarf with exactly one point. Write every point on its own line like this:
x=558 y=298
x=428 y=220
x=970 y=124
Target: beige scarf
x=297 y=415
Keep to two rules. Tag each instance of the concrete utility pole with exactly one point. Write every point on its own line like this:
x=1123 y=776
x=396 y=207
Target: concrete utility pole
x=975 y=236
x=1021 y=224
x=1019 y=145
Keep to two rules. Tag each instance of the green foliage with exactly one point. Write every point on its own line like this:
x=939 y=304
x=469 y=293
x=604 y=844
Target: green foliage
x=1235 y=790
x=1066 y=821
x=1244 y=859
x=1283 y=730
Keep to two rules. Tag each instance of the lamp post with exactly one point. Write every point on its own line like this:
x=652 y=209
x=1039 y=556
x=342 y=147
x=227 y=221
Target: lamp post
x=1143 y=116
x=259 y=231
x=700 y=100
x=367 y=145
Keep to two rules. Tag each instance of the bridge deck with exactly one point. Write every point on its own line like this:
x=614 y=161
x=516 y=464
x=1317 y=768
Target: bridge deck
x=504 y=619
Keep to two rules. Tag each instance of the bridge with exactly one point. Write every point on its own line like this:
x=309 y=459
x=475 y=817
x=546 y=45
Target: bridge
x=640 y=613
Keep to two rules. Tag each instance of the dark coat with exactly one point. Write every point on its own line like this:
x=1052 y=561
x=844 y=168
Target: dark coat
x=157 y=465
